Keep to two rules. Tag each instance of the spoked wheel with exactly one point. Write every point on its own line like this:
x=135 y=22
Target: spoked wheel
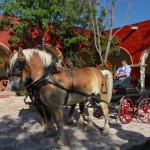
x=144 y=110
x=126 y=111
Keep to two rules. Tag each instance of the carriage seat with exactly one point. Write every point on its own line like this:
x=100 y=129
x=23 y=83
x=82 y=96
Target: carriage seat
x=126 y=82
x=127 y=90
x=124 y=86
x=128 y=87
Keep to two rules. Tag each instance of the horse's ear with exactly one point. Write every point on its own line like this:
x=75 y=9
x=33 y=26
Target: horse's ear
x=20 y=53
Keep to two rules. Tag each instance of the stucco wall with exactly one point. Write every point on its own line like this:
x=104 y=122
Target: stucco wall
x=135 y=41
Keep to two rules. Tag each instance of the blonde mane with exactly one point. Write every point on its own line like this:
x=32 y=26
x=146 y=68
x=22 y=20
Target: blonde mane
x=47 y=57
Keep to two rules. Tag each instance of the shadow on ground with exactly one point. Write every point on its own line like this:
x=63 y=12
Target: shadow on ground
x=22 y=132
x=132 y=137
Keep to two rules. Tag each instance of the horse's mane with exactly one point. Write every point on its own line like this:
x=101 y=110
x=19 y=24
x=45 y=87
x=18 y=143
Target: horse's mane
x=47 y=57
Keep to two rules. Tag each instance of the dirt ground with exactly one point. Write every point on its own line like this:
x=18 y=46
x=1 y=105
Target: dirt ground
x=20 y=130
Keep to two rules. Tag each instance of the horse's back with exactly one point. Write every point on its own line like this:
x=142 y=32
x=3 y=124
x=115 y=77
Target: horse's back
x=88 y=74
x=86 y=79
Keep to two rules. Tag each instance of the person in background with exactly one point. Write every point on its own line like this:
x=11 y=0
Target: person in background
x=122 y=72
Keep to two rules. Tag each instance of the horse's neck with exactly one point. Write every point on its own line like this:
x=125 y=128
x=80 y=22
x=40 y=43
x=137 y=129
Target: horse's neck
x=37 y=73
x=37 y=66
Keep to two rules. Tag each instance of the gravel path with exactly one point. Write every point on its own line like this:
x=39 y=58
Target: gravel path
x=20 y=130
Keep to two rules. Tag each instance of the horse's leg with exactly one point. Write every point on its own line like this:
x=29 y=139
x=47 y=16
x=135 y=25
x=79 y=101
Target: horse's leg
x=70 y=115
x=89 y=125
x=81 y=118
x=51 y=130
x=47 y=125
x=106 y=116
x=58 y=117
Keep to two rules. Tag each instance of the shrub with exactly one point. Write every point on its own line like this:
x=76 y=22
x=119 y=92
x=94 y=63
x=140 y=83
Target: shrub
x=107 y=66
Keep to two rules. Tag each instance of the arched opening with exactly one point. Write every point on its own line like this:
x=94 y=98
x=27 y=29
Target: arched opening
x=117 y=55
x=147 y=73
x=4 y=51
x=145 y=69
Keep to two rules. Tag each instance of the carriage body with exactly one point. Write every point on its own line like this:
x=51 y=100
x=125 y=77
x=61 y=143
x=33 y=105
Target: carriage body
x=130 y=102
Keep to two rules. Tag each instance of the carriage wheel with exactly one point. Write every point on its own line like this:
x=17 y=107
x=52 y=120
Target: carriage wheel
x=126 y=111
x=144 y=110
x=98 y=112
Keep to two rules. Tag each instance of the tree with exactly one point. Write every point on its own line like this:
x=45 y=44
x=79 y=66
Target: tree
x=102 y=17
x=64 y=15
x=97 y=16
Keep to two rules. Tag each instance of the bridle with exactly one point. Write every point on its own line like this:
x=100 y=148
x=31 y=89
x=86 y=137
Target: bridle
x=18 y=67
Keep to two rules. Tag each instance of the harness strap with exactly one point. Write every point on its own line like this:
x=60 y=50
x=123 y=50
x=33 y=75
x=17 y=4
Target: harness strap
x=97 y=97
x=72 y=80
x=72 y=86
x=47 y=79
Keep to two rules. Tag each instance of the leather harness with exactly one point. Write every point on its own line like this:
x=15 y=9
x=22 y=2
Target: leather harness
x=47 y=78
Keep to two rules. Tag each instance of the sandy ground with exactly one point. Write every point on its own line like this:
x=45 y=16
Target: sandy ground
x=20 y=126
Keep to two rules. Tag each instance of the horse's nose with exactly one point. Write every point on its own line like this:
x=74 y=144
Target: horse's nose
x=13 y=88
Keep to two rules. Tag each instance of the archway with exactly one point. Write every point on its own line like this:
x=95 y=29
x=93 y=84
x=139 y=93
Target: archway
x=117 y=55
x=147 y=73
x=4 y=50
x=145 y=69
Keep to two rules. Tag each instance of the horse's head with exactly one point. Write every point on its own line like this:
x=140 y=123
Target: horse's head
x=27 y=64
x=18 y=71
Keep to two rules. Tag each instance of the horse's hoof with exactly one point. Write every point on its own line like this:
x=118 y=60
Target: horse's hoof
x=71 y=121
x=80 y=122
x=61 y=143
x=43 y=130
x=105 y=132
x=88 y=128
x=50 y=134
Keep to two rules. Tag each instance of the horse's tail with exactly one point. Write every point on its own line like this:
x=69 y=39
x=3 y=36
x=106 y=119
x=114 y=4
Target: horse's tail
x=109 y=85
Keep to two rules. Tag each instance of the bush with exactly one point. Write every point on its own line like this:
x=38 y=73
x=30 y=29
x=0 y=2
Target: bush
x=107 y=66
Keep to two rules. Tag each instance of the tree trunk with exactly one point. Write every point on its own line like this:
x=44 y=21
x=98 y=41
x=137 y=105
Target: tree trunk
x=43 y=41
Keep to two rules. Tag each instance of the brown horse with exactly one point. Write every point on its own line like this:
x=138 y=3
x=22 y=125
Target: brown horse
x=58 y=87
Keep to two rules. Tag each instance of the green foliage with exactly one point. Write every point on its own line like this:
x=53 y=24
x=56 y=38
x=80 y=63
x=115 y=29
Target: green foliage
x=22 y=93
x=20 y=29
x=14 y=40
x=5 y=24
x=72 y=56
x=107 y=66
x=65 y=15
x=93 y=59
x=5 y=60
x=104 y=40
x=74 y=40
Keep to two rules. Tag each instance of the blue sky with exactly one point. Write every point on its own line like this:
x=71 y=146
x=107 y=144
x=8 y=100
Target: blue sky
x=139 y=11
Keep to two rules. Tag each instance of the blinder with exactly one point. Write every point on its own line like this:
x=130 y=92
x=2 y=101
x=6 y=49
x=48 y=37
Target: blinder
x=18 y=67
